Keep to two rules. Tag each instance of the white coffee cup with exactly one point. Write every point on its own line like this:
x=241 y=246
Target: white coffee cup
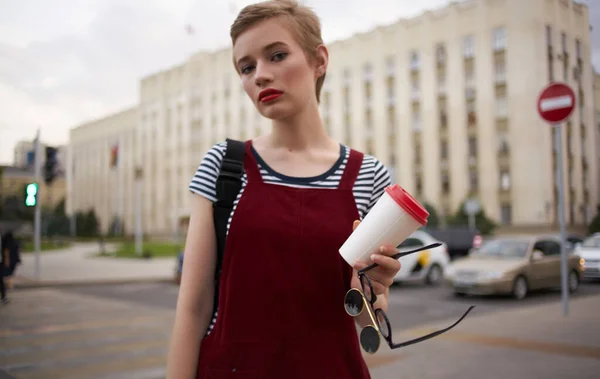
x=394 y=217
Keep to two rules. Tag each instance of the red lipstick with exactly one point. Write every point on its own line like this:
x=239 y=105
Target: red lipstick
x=269 y=94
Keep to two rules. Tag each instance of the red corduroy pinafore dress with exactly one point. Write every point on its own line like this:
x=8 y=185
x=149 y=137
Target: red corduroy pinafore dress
x=281 y=301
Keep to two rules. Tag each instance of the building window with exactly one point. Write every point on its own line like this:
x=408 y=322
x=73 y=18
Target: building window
x=445 y=184
x=503 y=143
x=416 y=121
x=347 y=77
x=506 y=214
x=390 y=65
x=563 y=42
x=368 y=96
x=578 y=49
x=499 y=41
x=391 y=92
x=440 y=54
x=347 y=100
x=505 y=180
x=470 y=78
x=469 y=46
x=414 y=89
x=414 y=60
x=500 y=71
x=444 y=149
x=469 y=94
x=441 y=80
x=368 y=72
x=501 y=107
x=548 y=35
x=443 y=119
x=472 y=147
x=369 y=122
x=473 y=180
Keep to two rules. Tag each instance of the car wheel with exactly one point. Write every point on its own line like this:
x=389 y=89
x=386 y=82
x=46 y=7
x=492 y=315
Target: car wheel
x=573 y=281
x=520 y=288
x=434 y=276
x=460 y=294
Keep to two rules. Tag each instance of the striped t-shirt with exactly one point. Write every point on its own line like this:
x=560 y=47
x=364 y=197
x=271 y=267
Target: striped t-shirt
x=372 y=179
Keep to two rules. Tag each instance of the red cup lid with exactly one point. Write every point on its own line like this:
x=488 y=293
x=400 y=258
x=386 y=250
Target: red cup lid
x=408 y=203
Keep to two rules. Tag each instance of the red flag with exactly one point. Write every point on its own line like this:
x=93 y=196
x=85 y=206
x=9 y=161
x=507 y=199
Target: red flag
x=114 y=156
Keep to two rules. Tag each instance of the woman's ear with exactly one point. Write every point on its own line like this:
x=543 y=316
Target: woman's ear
x=322 y=60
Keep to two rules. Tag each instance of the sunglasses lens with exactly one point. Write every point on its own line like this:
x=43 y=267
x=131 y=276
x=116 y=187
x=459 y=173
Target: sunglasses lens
x=353 y=302
x=369 y=339
x=366 y=285
x=384 y=326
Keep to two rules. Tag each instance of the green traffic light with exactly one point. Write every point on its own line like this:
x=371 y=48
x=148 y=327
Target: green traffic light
x=31 y=198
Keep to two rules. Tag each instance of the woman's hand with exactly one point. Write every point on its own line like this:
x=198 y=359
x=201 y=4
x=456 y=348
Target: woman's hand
x=382 y=276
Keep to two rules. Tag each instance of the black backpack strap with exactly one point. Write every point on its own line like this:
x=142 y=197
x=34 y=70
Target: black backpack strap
x=229 y=184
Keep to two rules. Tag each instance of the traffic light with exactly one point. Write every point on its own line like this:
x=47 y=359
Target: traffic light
x=31 y=192
x=50 y=165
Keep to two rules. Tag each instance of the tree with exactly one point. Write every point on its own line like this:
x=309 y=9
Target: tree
x=87 y=224
x=434 y=220
x=58 y=221
x=594 y=226
x=483 y=224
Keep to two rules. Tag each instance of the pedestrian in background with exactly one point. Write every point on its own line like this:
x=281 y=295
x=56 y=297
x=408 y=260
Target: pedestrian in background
x=13 y=246
x=280 y=311
x=4 y=264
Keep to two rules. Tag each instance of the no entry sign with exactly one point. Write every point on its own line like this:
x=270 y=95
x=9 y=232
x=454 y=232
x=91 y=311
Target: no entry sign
x=556 y=103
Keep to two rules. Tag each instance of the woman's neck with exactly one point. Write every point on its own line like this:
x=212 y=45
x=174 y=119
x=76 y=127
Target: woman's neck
x=302 y=131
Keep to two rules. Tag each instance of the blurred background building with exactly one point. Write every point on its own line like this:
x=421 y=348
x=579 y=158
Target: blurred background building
x=446 y=100
x=100 y=169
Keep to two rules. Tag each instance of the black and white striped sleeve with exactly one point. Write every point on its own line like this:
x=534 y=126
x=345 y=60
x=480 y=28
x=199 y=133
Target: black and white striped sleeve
x=381 y=179
x=204 y=182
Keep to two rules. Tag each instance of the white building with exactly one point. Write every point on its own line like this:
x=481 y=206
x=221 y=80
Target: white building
x=92 y=181
x=446 y=100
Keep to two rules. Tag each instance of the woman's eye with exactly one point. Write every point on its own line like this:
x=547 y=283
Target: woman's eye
x=246 y=69
x=279 y=56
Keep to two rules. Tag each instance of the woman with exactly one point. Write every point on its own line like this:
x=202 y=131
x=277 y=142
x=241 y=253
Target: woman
x=280 y=310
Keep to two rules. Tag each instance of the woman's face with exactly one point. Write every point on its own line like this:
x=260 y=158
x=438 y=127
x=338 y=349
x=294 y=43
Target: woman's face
x=275 y=71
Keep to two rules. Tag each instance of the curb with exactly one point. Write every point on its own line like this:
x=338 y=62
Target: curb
x=25 y=283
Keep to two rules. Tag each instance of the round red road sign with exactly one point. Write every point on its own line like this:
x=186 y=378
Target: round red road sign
x=556 y=103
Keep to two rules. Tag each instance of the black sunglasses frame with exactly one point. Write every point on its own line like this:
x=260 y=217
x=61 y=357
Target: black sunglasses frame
x=374 y=313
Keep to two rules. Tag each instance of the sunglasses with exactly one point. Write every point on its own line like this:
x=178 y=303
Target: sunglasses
x=356 y=301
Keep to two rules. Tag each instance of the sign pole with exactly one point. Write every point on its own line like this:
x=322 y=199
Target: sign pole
x=138 y=211
x=37 y=220
x=561 y=218
x=554 y=105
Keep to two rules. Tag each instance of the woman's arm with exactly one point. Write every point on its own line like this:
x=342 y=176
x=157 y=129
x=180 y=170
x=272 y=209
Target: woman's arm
x=196 y=292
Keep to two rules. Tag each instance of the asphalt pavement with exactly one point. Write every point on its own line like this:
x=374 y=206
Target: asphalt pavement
x=410 y=304
x=122 y=331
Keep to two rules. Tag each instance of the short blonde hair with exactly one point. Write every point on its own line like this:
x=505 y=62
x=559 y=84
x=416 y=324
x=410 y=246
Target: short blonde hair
x=303 y=23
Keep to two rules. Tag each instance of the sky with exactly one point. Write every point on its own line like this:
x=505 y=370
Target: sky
x=66 y=62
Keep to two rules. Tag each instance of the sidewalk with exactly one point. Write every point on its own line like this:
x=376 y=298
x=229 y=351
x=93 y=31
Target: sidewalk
x=79 y=264
x=530 y=342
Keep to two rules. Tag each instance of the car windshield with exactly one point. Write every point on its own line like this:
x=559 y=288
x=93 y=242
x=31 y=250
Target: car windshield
x=591 y=242
x=503 y=249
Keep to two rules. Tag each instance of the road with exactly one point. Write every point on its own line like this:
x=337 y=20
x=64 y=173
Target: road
x=122 y=331
x=410 y=304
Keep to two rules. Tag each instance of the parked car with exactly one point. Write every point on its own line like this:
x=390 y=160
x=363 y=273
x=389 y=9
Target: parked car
x=428 y=265
x=458 y=239
x=589 y=251
x=513 y=265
